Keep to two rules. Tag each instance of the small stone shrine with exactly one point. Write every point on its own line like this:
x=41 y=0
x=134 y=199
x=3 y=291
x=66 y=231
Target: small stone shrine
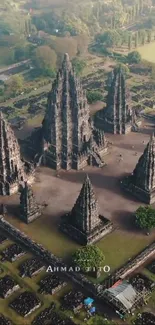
x=117 y=117
x=13 y=169
x=141 y=183
x=84 y=223
x=29 y=209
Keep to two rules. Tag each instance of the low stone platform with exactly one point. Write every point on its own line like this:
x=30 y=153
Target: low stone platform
x=25 y=304
x=142 y=195
x=7 y=286
x=4 y=320
x=31 y=267
x=12 y=253
x=82 y=238
x=51 y=284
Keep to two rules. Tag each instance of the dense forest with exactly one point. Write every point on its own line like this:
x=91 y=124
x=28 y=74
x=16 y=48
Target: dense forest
x=43 y=30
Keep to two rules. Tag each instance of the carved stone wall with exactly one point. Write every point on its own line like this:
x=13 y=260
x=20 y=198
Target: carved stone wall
x=12 y=169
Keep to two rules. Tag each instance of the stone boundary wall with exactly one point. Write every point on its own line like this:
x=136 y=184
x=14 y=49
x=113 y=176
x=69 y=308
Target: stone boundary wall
x=79 y=279
x=129 y=267
x=137 y=261
x=46 y=256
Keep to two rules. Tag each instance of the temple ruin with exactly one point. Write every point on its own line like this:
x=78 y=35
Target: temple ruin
x=29 y=209
x=68 y=139
x=117 y=117
x=13 y=169
x=141 y=183
x=84 y=223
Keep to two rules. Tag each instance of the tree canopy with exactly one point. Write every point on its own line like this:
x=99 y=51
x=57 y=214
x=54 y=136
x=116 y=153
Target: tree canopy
x=78 y=65
x=93 y=96
x=15 y=84
x=88 y=257
x=62 y=45
x=134 y=57
x=109 y=38
x=97 y=320
x=145 y=218
x=123 y=67
x=45 y=59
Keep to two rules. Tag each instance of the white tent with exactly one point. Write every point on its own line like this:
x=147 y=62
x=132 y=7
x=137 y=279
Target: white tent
x=122 y=294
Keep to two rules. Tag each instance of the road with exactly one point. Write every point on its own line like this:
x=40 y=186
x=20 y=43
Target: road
x=13 y=66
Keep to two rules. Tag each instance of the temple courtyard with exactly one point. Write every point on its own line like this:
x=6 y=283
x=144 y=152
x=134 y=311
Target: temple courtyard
x=59 y=190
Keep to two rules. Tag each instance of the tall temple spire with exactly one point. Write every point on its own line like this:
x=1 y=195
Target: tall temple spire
x=142 y=181
x=66 y=127
x=86 y=211
x=84 y=223
x=12 y=169
x=116 y=118
x=29 y=209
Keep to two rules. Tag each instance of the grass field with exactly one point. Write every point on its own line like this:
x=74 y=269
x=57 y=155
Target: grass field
x=117 y=247
x=147 y=52
x=29 y=284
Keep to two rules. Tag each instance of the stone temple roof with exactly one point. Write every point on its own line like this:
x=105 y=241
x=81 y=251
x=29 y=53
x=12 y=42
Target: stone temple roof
x=10 y=159
x=144 y=172
x=85 y=213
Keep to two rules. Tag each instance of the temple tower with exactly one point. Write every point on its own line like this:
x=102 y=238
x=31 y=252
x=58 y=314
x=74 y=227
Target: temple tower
x=141 y=183
x=67 y=127
x=86 y=210
x=84 y=223
x=12 y=169
x=116 y=118
x=29 y=209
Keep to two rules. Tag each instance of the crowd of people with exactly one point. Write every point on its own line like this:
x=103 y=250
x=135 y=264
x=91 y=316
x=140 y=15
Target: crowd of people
x=12 y=253
x=145 y=319
x=73 y=300
x=44 y=316
x=25 y=303
x=51 y=284
x=31 y=267
x=4 y=320
x=7 y=286
x=141 y=283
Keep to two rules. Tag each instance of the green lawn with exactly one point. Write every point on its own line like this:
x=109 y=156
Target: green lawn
x=147 y=52
x=117 y=247
x=29 y=284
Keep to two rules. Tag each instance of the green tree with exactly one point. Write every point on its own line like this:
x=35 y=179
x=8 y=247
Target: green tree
x=134 y=57
x=136 y=39
x=78 y=65
x=123 y=67
x=149 y=36
x=15 y=84
x=45 y=59
x=82 y=43
x=62 y=45
x=142 y=36
x=130 y=42
x=21 y=53
x=88 y=257
x=93 y=96
x=145 y=218
x=109 y=38
x=98 y=320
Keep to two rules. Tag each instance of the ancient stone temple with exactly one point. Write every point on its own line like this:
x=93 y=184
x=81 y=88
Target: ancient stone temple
x=84 y=223
x=117 y=117
x=29 y=209
x=141 y=183
x=13 y=170
x=69 y=139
